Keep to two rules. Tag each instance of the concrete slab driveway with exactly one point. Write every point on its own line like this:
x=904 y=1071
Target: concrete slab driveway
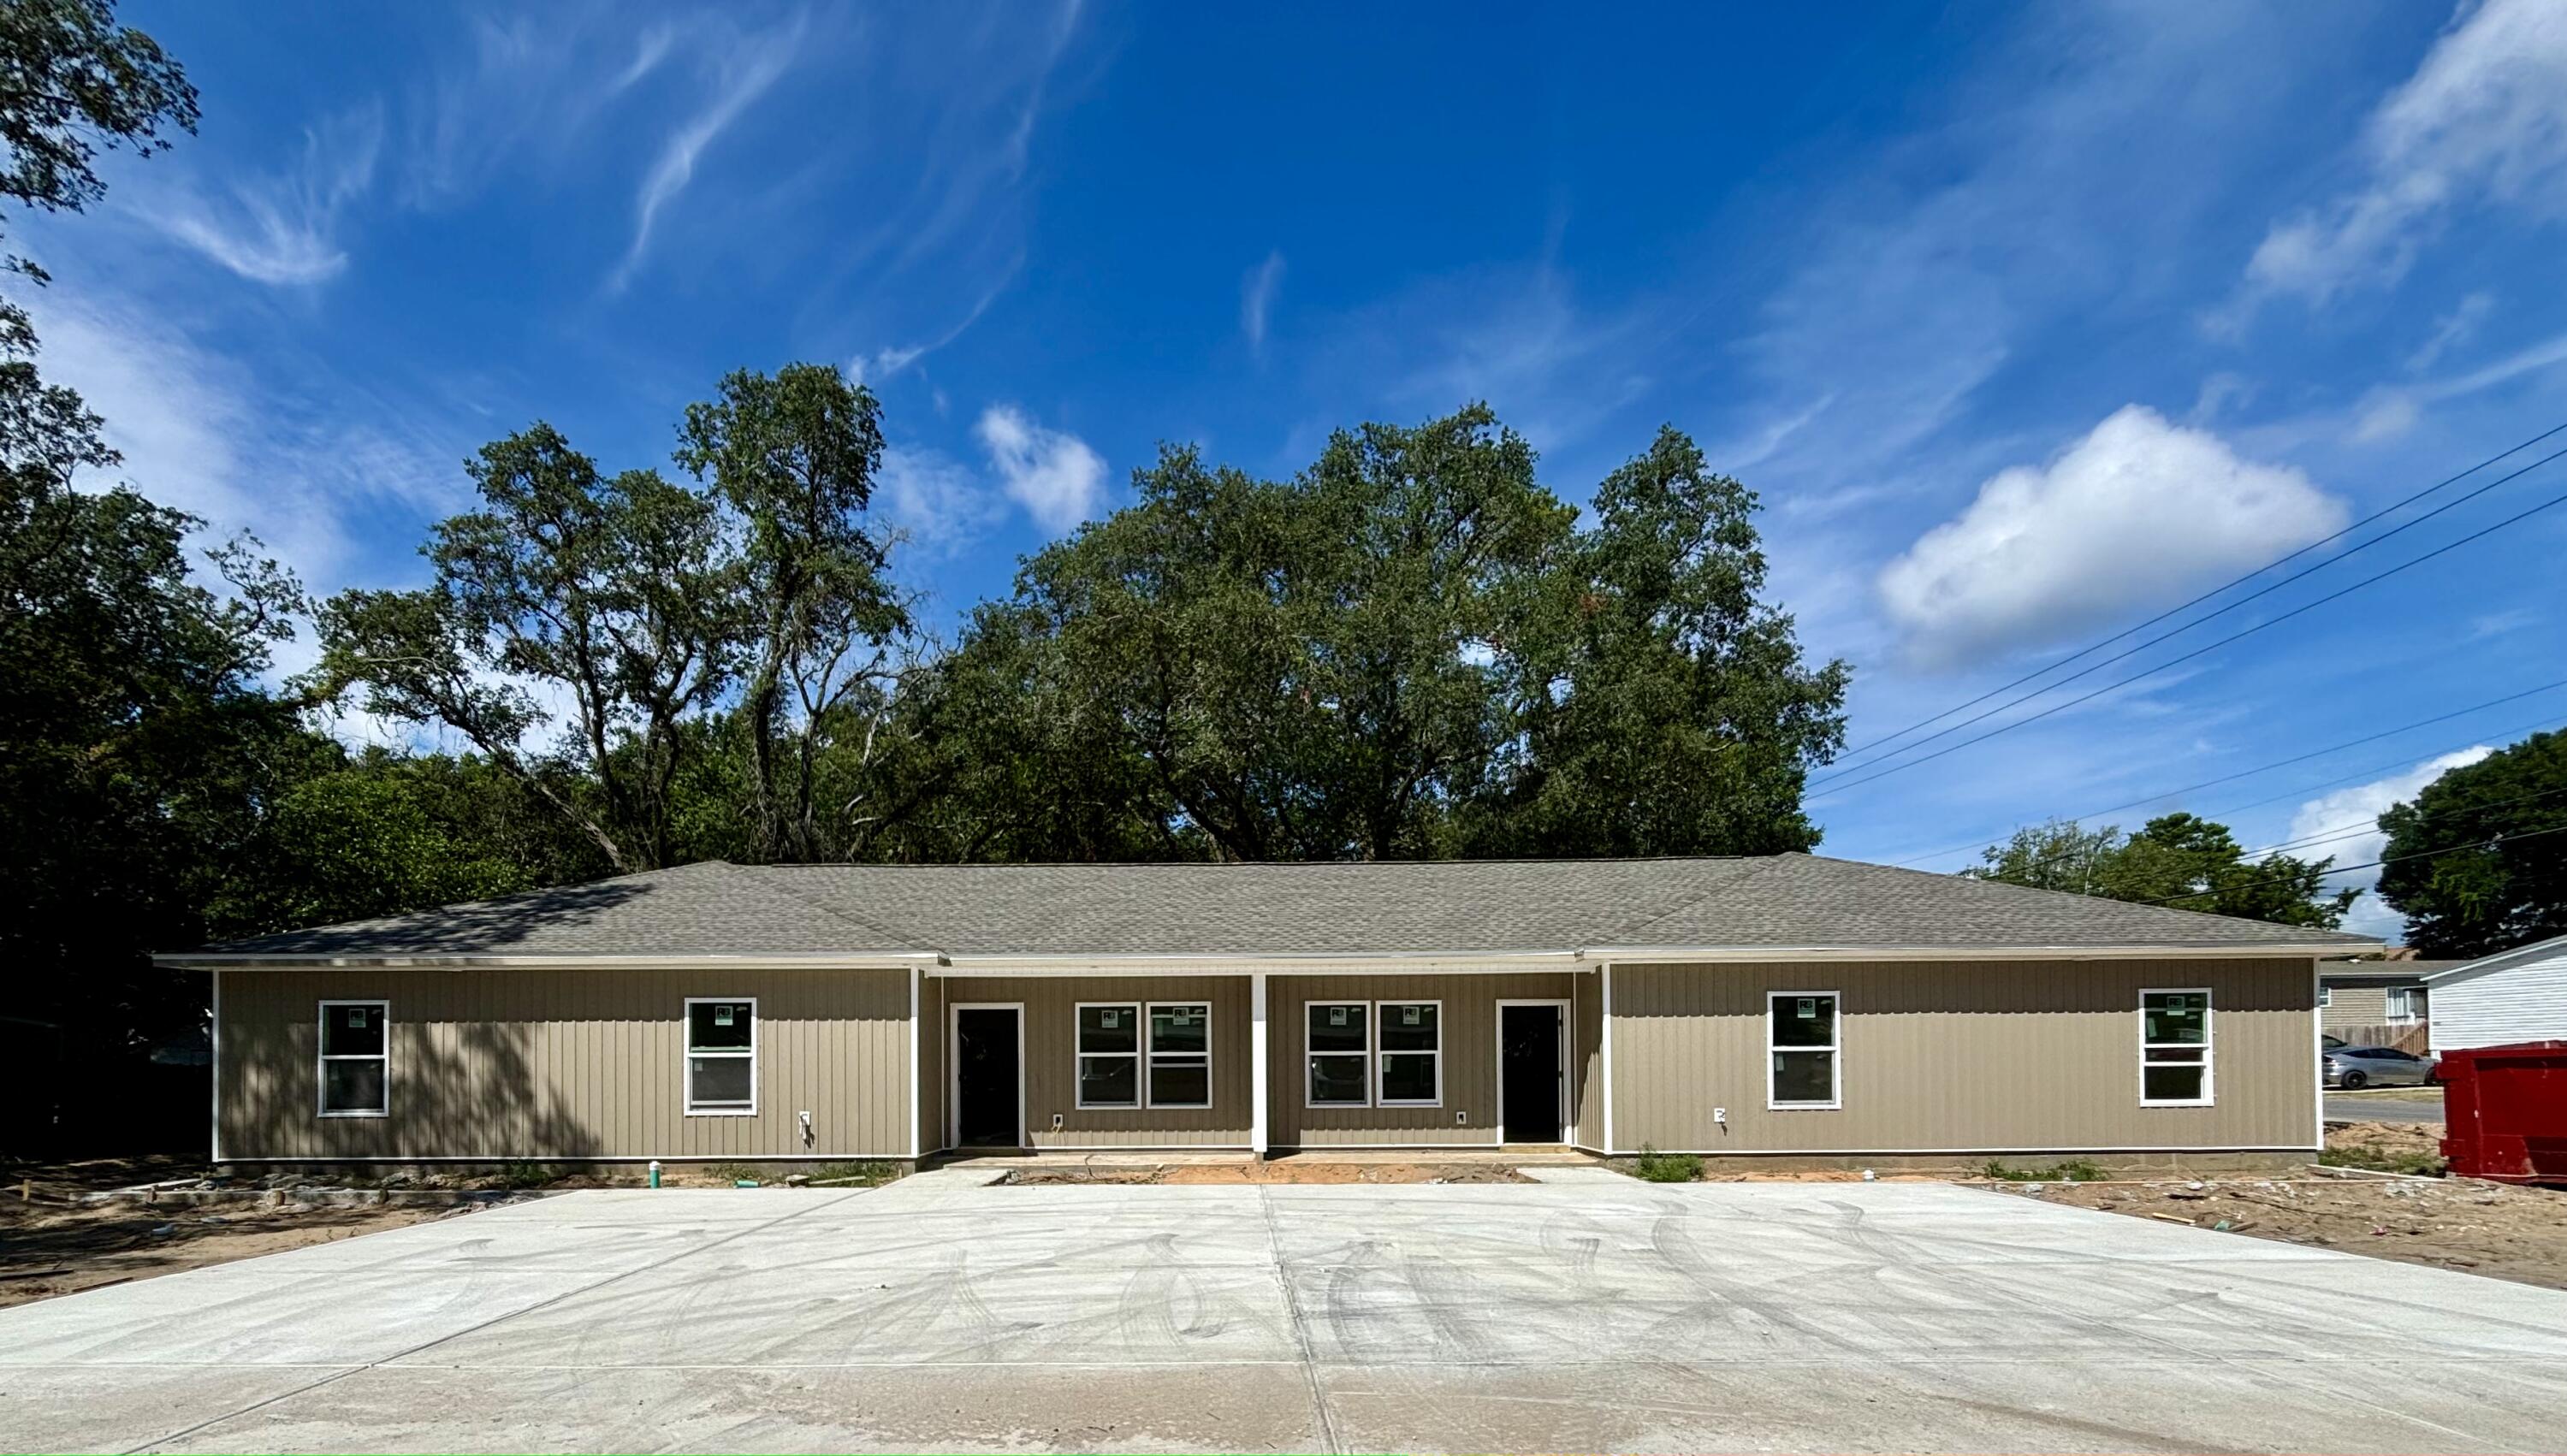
x=1606 y=1314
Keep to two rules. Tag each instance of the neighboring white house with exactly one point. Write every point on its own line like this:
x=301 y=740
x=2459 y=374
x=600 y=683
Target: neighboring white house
x=2496 y=1001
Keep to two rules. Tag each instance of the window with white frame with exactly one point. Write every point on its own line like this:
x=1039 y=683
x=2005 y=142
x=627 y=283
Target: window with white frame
x=1109 y=1054
x=2406 y=1002
x=1801 y=1049
x=1410 y=1059
x=2175 y=1048
x=1179 y=1055
x=1338 y=1052
x=356 y=1058
x=722 y=1057
x=2326 y=997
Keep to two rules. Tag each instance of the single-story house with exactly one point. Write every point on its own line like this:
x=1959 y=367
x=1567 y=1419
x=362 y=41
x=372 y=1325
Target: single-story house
x=2496 y=1000
x=2378 y=1001
x=1787 y=1004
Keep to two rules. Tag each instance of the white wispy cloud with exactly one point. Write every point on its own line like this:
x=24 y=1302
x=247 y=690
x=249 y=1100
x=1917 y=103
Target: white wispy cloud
x=2362 y=805
x=280 y=229
x=1054 y=476
x=935 y=501
x=2133 y=516
x=2484 y=118
x=2451 y=330
x=1256 y=298
x=743 y=75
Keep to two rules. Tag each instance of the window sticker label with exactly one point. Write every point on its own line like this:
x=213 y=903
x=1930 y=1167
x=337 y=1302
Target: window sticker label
x=1111 y=1020
x=1409 y=1015
x=1809 y=1008
x=721 y=1015
x=1336 y=1015
x=1179 y=1018
x=357 y=1017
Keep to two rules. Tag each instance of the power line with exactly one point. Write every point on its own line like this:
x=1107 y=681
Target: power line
x=2286 y=762
x=2384 y=511
x=2550 y=505
x=2371 y=827
x=2136 y=649
x=2488 y=843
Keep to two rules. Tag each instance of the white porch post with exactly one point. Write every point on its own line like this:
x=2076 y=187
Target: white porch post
x=1607 y=1022
x=1256 y=1078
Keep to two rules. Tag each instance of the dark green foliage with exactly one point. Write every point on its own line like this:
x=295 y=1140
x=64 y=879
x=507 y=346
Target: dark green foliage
x=2485 y=888
x=2177 y=860
x=1659 y=1167
x=2075 y=1170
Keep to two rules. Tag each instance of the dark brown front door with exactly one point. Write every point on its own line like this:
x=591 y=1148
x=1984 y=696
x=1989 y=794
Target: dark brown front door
x=985 y=1077
x=1528 y=1073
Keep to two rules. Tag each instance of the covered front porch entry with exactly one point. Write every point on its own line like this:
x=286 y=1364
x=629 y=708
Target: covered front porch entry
x=1179 y=1059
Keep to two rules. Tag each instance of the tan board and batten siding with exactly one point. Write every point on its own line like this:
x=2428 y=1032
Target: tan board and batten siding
x=1052 y=1056
x=568 y=1064
x=1470 y=1053
x=1989 y=1056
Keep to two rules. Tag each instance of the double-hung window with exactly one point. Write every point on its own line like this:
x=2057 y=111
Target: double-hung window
x=2175 y=1048
x=356 y=1058
x=2405 y=1004
x=1340 y=1053
x=1800 y=1050
x=1109 y=1054
x=1410 y=1066
x=1179 y=1055
x=722 y=1059
x=1381 y=1054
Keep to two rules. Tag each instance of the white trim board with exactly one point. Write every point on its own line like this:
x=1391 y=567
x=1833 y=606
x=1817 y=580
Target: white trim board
x=1567 y=1010
x=954 y=1068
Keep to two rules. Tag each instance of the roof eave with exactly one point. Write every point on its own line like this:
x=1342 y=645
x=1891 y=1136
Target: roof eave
x=782 y=961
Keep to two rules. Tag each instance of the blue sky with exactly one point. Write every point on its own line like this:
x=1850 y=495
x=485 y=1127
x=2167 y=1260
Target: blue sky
x=2026 y=322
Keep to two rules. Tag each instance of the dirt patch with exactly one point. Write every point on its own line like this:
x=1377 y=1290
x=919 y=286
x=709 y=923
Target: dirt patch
x=2519 y=1234
x=1289 y=1172
x=53 y=1243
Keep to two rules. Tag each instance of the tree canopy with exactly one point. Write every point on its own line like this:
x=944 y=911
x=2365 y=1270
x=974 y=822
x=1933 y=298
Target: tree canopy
x=2177 y=860
x=2473 y=860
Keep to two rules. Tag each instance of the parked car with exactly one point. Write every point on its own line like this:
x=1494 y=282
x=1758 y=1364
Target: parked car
x=2355 y=1067
x=2332 y=1042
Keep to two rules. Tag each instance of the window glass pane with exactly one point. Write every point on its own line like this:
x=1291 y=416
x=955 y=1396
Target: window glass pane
x=1180 y=1083
x=722 y=1080
x=2181 y=1017
x=1180 y=1029
x=1406 y=1076
x=1337 y=1028
x=352 y=1030
x=352 y=1087
x=1804 y=1076
x=1408 y=1027
x=1804 y=1020
x=1336 y=1078
x=718 y=1026
x=1108 y=1081
x=2172 y=1083
x=1109 y=1029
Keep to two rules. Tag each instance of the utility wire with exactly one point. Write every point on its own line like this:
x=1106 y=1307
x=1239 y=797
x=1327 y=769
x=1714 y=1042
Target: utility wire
x=2284 y=763
x=2550 y=505
x=2371 y=827
x=2384 y=511
x=2489 y=842
x=2138 y=648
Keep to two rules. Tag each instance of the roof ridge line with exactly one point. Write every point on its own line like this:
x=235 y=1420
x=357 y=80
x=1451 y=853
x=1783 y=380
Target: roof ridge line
x=2350 y=937
x=1765 y=864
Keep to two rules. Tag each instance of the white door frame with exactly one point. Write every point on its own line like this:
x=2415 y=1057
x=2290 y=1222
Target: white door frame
x=954 y=1067
x=1567 y=1132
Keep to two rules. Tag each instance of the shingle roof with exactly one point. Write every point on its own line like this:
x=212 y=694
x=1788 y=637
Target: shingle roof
x=1475 y=907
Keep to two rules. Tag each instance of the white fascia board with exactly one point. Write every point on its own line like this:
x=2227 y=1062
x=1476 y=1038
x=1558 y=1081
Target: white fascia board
x=861 y=960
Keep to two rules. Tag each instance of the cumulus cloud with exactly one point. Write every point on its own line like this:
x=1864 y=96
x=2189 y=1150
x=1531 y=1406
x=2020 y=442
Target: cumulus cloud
x=1257 y=299
x=2484 y=118
x=2362 y=804
x=1053 y=476
x=2131 y=517
x=281 y=230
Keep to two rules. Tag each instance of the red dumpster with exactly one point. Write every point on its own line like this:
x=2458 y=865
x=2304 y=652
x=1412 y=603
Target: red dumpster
x=2504 y=1109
